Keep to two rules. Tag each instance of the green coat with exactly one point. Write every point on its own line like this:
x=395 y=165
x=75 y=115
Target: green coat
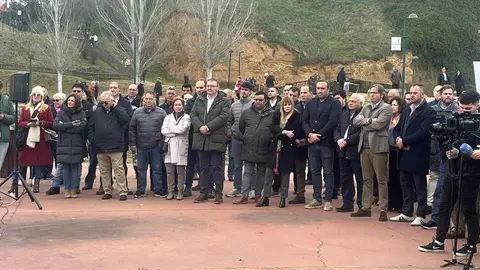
x=215 y=119
x=6 y=107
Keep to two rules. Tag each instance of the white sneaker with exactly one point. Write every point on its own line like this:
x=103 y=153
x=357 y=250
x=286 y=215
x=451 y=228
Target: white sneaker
x=402 y=218
x=233 y=193
x=328 y=206
x=418 y=221
x=251 y=194
x=314 y=204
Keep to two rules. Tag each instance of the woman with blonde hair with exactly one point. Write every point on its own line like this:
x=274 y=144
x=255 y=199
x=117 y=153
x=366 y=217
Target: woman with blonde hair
x=175 y=129
x=35 y=117
x=286 y=123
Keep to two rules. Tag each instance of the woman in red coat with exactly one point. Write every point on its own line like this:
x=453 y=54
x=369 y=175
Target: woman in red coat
x=34 y=117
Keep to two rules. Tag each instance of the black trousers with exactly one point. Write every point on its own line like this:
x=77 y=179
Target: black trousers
x=395 y=198
x=414 y=183
x=336 y=175
x=211 y=167
x=348 y=168
x=468 y=207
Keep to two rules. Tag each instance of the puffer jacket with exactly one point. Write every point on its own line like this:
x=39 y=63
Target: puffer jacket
x=216 y=119
x=71 y=144
x=145 y=129
x=257 y=129
x=238 y=107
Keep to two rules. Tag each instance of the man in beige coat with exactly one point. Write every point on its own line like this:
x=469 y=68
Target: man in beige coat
x=374 y=119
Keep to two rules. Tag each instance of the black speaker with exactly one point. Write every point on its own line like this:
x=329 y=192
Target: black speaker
x=20 y=87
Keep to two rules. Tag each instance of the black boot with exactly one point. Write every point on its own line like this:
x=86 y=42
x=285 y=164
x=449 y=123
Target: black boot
x=281 y=204
x=263 y=202
x=53 y=191
x=36 y=186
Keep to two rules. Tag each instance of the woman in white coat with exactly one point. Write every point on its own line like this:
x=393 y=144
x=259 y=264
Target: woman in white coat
x=175 y=129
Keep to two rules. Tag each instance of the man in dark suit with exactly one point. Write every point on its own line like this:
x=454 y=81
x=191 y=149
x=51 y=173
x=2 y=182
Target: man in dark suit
x=302 y=150
x=319 y=120
x=347 y=136
x=412 y=137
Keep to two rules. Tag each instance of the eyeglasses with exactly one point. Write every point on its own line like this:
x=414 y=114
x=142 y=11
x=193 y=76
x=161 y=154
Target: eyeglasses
x=56 y=100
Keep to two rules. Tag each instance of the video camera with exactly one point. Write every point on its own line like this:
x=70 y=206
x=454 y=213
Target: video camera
x=458 y=124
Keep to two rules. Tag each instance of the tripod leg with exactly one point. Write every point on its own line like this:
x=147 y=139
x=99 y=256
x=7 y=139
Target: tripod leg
x=29 y=192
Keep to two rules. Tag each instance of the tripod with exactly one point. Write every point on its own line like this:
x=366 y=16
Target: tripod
x=16 y=175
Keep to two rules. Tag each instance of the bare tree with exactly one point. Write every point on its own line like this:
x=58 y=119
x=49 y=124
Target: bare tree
x=222 y=25
x=128 y=20
x=55 y=19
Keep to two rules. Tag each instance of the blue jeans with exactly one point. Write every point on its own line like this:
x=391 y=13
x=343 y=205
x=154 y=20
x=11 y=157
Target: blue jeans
x=191 y=167
x=437 y=196
x=321 y=157
x=237 y=160
x=71 y=175
x=58 y=179
x=154 y=158
x=231 y=163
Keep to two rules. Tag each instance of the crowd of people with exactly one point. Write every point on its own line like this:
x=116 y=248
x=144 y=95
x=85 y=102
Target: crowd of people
x=376 y=153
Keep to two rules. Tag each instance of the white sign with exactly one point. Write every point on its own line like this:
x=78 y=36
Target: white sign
x=476 y=70
x=19 y=13
x=396 y=44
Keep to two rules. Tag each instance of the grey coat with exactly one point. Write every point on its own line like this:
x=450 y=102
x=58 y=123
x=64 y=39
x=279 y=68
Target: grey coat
x=71 y=144
x=145 y=130
x=376 y=130
x=216 y=119
x=257 y=129
x=237 y=108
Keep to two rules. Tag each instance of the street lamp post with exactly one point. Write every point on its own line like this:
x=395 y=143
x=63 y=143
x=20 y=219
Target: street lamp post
x=239 y=61
x=229 y=67
x=404 y=48
x=414 y=63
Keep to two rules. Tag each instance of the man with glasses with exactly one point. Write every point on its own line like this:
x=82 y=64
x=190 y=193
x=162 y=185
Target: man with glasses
x=209 y=116
x=374 y=148
x=238 y=107
x=319 y=121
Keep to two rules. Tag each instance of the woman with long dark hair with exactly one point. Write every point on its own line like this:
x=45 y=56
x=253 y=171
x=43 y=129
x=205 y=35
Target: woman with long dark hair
x=71 y=145
x=395 y=199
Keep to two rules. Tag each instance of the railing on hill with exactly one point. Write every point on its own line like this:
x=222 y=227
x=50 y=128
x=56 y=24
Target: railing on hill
x=75 y=73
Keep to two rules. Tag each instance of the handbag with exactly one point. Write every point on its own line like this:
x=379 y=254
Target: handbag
x=50 y=135
x=165 y=146
x=20 y=138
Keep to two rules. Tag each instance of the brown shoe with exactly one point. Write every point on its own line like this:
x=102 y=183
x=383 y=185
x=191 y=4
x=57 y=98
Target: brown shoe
x=383 y=216
x=361 y=213
x=242 y=200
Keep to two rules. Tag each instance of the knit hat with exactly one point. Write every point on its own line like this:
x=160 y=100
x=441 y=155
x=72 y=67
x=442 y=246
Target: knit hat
x=37 y=90
x=248 y=85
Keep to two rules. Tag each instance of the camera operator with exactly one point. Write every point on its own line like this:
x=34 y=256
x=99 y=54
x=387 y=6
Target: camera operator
x=468 y=103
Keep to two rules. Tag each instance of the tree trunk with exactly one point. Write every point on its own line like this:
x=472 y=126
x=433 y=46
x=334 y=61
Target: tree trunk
x=209 y=71
x=60 y=81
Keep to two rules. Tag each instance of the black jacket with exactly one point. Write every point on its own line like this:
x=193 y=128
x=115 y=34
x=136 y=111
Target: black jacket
x=301 y=153
x=168 y=108
x=414 y=131
x=71 y=144
x=106 y=131
x=122 y=102
x=215 y=119
x=322 y=118
x=135 y=102
x=286 y=162
x=87 y=108
x=346 y=122
x=158 y=88
x=257 y=130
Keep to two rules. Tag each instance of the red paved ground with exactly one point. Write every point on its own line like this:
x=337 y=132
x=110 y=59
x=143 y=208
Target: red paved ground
x=152 y=233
